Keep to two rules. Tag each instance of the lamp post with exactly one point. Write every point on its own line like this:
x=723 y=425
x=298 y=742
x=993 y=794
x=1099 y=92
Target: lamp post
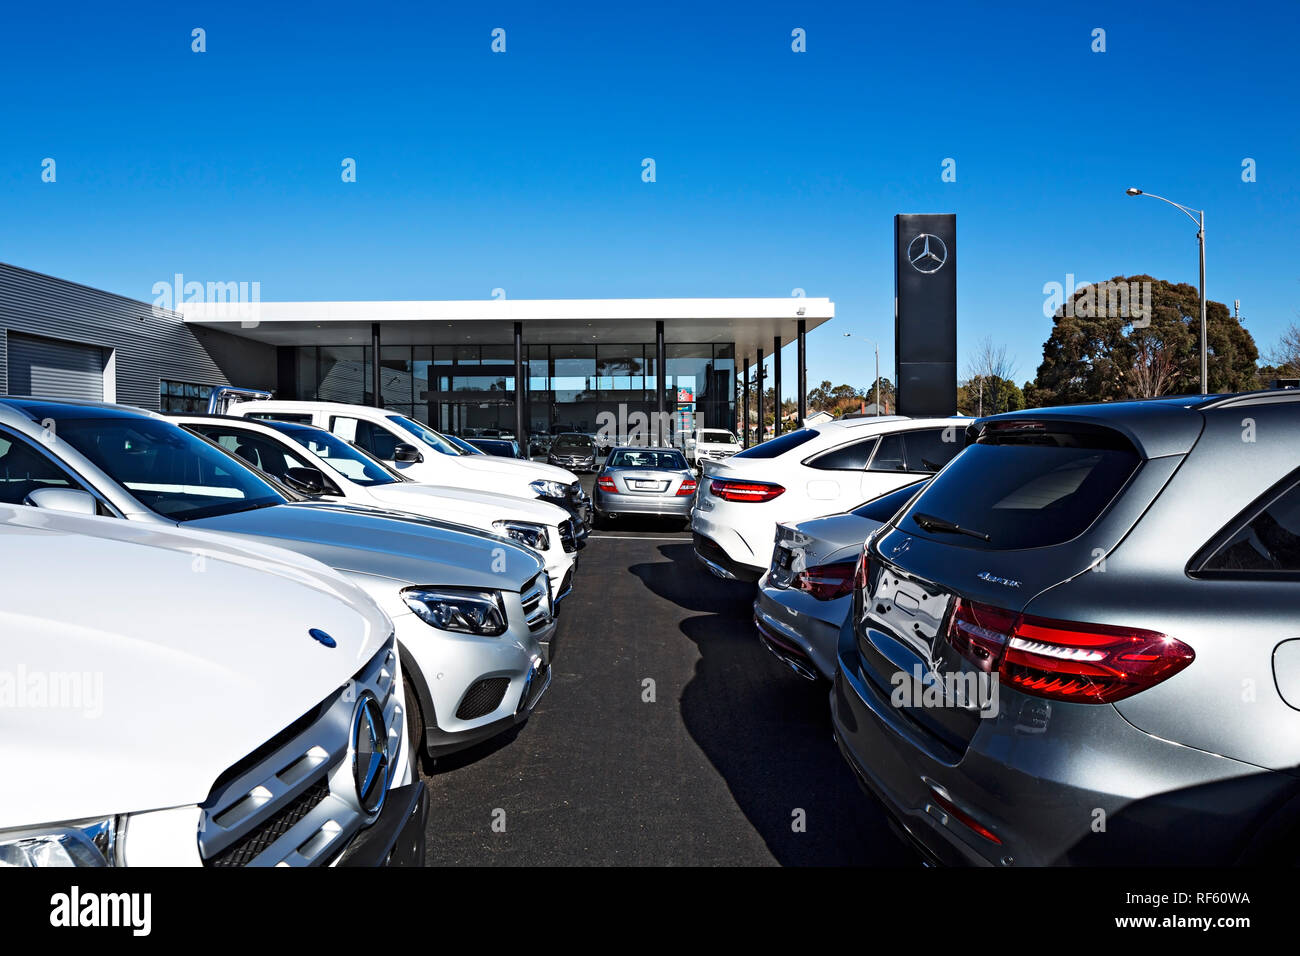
x=1199 y=219
x=849 y=335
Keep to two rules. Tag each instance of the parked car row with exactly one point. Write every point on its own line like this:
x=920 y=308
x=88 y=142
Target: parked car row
x=277 y=621
x=1067 y=638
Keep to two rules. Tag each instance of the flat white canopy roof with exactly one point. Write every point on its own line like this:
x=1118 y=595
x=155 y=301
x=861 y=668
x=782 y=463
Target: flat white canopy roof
x=750 y=323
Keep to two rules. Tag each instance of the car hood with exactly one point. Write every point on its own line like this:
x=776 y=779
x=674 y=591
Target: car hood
x=137 y=663
x=526 y=470
x=404 y=547
x=479 y=508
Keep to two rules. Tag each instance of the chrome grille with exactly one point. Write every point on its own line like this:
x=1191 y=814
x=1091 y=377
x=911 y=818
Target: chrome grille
x=536 y=599
x=292 y=802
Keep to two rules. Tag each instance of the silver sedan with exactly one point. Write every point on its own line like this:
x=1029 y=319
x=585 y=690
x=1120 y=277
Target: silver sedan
x=652 y=482
x=804 y=597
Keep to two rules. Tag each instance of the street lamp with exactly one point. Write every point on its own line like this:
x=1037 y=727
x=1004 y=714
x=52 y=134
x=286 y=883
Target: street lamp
x=849 y=335
x=1199 y=219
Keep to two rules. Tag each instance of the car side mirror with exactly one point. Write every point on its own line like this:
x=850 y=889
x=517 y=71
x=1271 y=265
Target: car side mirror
x=407 y=453
x=72 y=500
x=308 y=481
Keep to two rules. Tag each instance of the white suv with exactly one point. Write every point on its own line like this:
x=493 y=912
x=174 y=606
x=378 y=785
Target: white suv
x=323 y=466
x=198 y=702
x=706 y=444
x=422 y=454
x=809 y=473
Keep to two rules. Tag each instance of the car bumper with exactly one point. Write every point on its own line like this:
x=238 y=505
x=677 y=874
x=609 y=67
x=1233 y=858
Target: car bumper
x=710 y=554
x=396 y=838
x=1051 y=782
x=447 y=670
x=669 y=506
x=748 y=549
x=799 y=635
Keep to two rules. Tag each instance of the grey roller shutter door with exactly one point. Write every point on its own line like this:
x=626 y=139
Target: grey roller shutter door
x=47 y=368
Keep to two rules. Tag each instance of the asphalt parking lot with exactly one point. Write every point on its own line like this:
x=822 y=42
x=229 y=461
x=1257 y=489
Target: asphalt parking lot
x=709 y=764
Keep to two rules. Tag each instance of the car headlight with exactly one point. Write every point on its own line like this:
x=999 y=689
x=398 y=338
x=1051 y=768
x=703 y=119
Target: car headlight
x=455 y=609
x=526 y=533
x=84 y=843
x=549 y=489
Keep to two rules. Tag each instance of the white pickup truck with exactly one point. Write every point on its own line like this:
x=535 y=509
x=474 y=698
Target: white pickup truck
x=701 y=444
x=176 y=698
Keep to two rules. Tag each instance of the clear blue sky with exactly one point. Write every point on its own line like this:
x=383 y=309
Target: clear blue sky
x=775 y=169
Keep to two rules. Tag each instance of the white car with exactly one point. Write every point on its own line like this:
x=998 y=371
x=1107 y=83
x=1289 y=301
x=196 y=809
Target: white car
x=322 y=465
x=809 y=473
x=706 y=444
x=472 y=610
x=422 y=454
x=173 y=698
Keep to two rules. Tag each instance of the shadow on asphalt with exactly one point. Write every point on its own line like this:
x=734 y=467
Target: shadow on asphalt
x=765 y=730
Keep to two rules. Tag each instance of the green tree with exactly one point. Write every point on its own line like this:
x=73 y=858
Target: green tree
x=1095 y=355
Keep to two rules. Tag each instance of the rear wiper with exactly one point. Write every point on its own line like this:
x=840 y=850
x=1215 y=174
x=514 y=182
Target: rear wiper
x=931 y=523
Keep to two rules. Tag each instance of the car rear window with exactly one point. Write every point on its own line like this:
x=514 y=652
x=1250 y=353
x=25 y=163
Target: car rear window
x=779 y=445
x=1025 y=485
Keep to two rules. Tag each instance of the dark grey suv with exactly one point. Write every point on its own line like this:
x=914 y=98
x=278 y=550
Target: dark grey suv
x=1081 y=642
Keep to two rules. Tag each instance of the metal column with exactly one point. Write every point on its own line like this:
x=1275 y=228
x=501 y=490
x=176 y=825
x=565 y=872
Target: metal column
x=776 y=386
x=744 y=435
x=377 y=389
x=759 y=374
x=803 y=371
x=661 y=385
x=521 y=390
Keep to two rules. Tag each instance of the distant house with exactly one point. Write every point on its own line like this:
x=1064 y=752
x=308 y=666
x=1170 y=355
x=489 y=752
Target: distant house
x=818 y=418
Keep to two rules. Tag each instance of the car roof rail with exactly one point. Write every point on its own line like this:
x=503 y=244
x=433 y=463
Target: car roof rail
x=1271 y=396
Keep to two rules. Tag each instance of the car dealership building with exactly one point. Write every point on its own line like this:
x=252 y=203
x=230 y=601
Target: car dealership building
x=454 y=364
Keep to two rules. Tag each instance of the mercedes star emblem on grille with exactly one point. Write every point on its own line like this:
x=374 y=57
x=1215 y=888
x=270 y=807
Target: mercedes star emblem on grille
x=369 y=754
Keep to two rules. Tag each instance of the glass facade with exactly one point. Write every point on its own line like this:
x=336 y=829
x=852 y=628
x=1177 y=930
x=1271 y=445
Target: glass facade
x=464 y=389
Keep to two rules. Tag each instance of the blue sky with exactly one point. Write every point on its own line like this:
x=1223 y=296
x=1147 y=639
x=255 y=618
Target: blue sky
x=775 y=170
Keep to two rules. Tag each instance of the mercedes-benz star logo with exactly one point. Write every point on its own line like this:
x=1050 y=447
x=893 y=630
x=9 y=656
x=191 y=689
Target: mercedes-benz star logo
x=927 y=253
x=369 y=755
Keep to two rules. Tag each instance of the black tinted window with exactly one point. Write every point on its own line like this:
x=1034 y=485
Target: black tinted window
x=303 y=419
x=375 y=439
x=889 y=456
x=928 y=452
x=1268 y=542
x=258 y=450
x=886 y=506
x=851 y=457
x=1026 y=490
x=779 y=445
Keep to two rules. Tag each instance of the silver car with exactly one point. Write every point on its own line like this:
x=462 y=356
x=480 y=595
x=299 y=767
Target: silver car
x=1078 y=644
x=644 y=482
x=472 y=611
x=804 y=597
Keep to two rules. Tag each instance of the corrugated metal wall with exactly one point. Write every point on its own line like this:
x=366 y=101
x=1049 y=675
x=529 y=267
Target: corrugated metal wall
x=148 y=346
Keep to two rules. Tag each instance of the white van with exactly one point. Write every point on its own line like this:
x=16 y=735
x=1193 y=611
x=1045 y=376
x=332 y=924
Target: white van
x=421 y=454
x=706 y=444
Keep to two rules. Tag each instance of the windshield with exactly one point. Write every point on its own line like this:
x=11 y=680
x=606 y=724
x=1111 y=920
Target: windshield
x=718 y=438
x=465 y=447
x=167 y=469
x=343 y=456
x=671 y=460
x=573 y=441
x=427 y=435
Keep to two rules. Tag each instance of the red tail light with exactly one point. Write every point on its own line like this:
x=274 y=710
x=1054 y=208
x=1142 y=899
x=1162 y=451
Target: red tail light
x=1064 y=660
x=687 y=488
x=862 y=575
x=606 y=483
x=826 y=582
x=744 y=490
